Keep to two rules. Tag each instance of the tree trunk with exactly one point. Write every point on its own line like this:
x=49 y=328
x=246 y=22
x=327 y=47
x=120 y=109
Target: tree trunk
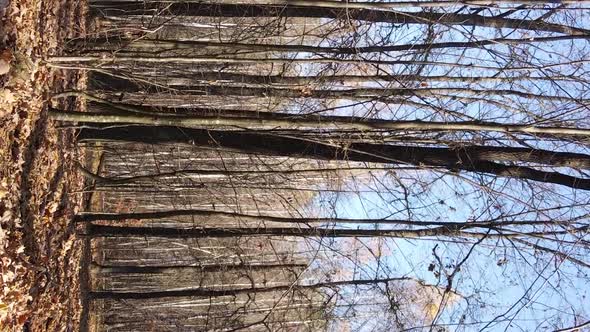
x=234 y=292
x=129 y=46
x=124 y=8
x=276 y=121
x=90 y=217
x=479 y=159
x=101 y=81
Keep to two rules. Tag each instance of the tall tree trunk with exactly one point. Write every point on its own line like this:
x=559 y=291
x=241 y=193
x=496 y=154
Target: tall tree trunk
x=480 y=159
x=102 y=81
x=126 y=46
x=205 y=268
x=124 y=8
x=94 y=230
x=234 y=292
x=382 y=94
x=90 y=217
x=276 y=121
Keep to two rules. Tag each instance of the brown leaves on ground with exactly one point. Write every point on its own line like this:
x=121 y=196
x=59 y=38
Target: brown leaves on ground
x=5 y=60
x=39 y=253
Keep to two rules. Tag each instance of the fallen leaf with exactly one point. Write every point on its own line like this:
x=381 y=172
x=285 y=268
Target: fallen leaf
x=5 y=59
x=6 y=96
x=4 y=67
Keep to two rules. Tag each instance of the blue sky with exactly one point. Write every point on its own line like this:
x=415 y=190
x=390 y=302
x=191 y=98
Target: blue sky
x=504 y=289
x=514 y=289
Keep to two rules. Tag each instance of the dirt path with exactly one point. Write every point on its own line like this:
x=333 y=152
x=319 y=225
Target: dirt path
x=39 y=187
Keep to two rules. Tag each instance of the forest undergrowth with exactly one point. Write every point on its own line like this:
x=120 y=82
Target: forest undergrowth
x=39 y=188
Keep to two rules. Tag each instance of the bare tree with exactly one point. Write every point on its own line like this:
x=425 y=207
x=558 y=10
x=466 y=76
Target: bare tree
x=317 y=164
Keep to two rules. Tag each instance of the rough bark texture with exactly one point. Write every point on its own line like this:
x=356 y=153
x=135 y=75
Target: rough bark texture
x=482 y=159
x=119 y=8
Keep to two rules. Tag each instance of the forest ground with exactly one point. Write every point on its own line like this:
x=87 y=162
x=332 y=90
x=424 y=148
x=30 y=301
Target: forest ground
x=40 y=190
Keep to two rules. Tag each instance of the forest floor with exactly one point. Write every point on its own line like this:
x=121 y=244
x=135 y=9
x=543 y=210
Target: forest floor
x=40 y=190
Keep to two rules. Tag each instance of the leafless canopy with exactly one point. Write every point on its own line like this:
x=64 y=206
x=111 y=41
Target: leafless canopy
x=336 y=165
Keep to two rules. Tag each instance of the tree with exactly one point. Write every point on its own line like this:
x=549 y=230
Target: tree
x=461 y=129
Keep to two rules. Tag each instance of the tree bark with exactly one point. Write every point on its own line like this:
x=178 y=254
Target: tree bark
x=129 y=46
x=94 y=230
x=102 y=81
x=382 y=5
x=382 y=94
x=479 y=159
x=451 y=226
x=124 y=8
x=291 y=121
x=203 y=292
x=115 y=61
x=204 y=268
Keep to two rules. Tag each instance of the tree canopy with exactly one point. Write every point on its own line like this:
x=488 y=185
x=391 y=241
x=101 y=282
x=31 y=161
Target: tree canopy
x=424 y=165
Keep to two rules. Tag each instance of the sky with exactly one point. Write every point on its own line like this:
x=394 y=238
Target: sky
x=503 y=289
x=519 y=293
